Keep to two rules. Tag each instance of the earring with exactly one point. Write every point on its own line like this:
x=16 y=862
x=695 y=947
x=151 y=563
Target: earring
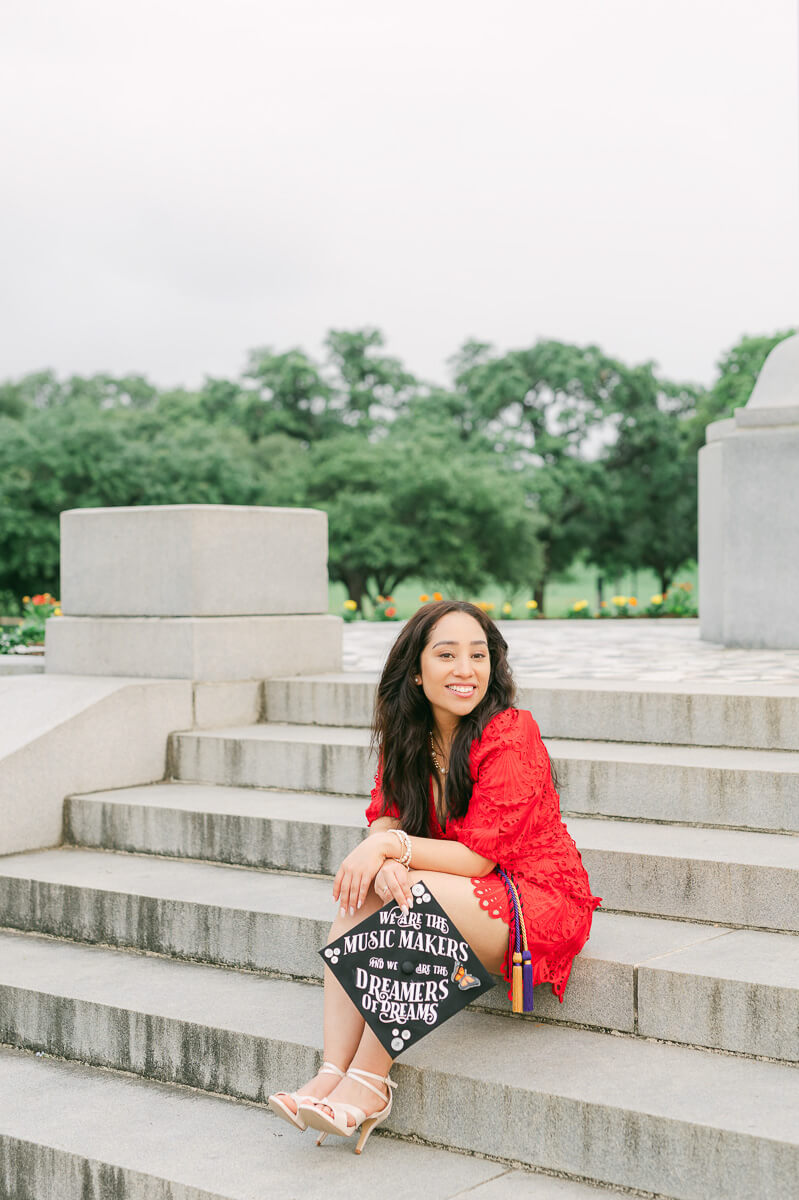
x=417 y=679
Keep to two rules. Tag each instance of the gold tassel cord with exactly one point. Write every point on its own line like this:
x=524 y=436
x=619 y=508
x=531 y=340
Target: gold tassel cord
x=517 y=998
x=517 y=977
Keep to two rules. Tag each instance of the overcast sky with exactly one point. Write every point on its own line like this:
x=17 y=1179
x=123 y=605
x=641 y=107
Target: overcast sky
x=183 y=181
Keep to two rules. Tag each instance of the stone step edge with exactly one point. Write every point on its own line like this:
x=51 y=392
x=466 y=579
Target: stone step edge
x=177 y=963
x=693 y=920
x=363 y=799
x=313 y=981
x=585 y=1189
x=289 y=1048
x=595 y=707
x=589 y=818
x=534 y=1018
x=281 y=732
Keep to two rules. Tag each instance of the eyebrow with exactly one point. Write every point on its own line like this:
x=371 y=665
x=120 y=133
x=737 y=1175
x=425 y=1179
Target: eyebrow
x=477 y=642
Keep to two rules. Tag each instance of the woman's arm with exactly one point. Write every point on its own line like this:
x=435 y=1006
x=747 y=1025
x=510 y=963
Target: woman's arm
x=433 y=854
x=355 y=875
x=381 y=824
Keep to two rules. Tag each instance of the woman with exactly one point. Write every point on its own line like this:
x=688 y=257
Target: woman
x=466 y=780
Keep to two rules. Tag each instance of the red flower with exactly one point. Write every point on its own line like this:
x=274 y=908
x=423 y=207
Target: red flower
x=391 y=612
x=39 y=599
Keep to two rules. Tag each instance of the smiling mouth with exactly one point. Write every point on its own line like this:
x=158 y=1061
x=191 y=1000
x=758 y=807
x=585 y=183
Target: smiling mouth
x=464 y=690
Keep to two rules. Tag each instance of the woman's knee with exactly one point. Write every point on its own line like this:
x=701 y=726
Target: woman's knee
x=343 y=924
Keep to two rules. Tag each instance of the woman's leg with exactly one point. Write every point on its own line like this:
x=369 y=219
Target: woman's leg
x=343 y=1024
x=488 y=938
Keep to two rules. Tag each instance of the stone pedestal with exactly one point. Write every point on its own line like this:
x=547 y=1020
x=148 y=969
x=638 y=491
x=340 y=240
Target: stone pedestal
x=201 y=592
x=749 y=514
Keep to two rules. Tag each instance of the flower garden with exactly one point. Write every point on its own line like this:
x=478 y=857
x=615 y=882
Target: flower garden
x=677 y=601
x=27 y=632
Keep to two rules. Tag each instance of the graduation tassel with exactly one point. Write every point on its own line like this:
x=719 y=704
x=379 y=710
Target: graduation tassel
x=517 y=1000
x=527 y=981
x=522 y=972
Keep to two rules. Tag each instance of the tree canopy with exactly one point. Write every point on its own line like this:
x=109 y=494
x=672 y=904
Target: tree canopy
x=528 y=459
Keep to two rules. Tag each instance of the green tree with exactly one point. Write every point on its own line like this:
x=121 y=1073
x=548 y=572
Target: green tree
x=75 y=455
x=370 y=388
x=287 y=394
x=649 y=479
x=399 y=509
x=542 y=407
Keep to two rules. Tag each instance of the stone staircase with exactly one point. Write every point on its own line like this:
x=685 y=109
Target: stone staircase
x=172 y=942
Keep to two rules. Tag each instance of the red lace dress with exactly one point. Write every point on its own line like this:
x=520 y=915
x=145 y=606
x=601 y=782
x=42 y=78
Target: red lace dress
x=514 y=820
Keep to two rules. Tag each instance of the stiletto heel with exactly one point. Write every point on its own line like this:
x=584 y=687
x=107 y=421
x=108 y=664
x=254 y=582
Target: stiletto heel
x=313 y=1115
x=366 y=1129
x=282 y=1110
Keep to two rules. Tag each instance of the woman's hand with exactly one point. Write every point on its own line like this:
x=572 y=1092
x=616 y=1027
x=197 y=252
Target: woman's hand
x=355 y=875
x=391 y=882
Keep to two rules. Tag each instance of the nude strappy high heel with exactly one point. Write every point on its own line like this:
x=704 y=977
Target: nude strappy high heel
x=282 y=1110
x=338 y=1122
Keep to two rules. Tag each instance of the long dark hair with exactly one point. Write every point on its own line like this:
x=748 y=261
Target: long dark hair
x=403 y=719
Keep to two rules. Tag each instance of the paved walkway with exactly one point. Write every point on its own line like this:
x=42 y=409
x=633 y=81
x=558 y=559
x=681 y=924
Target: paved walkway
x=660 y=650
x=665 y=651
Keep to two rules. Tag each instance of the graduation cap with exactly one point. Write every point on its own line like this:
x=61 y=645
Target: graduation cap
x=406 y=973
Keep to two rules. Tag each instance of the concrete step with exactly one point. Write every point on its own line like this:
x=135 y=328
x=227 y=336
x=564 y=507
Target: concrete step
x=290 y=831
x=70 y=1132
x=623 y=1111
x=733 y=877
x=753 y=715
x=732 y=989
x=753 y=789
x=730 y=876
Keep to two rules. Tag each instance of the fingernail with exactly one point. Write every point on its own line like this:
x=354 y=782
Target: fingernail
x=342 y=912
x=405 y=909
x=410 y=901
x=352 y=912
x=360 y=902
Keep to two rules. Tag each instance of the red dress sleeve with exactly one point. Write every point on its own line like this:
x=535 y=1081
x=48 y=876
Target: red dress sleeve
x=512 y=793
x=376 y=806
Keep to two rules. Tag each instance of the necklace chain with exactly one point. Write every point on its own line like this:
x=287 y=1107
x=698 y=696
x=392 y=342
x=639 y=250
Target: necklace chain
x=442 y=770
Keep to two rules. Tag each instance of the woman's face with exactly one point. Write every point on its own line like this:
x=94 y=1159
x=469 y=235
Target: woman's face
x=455 y=667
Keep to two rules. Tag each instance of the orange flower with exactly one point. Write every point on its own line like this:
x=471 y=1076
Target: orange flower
x=26 y=599
x=391 y=612
x=437 y=596
x=424 y=597
x=632 y=601
x=38 y=599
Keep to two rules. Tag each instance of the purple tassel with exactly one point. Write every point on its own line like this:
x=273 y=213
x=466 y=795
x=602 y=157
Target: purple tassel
x=527 y=981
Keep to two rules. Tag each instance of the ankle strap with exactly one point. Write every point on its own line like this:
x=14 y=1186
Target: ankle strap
x=330 y=1069
x=361 y=1077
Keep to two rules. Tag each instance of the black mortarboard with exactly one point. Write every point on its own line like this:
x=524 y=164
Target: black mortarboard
x=406 y=973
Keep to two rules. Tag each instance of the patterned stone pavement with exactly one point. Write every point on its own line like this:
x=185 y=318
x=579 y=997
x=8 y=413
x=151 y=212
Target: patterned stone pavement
x=654 y=651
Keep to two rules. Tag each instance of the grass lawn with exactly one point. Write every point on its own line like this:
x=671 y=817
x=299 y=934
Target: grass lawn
x=578 y=584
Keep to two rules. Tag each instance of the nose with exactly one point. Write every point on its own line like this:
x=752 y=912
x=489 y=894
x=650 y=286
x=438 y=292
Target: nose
x=463 y=666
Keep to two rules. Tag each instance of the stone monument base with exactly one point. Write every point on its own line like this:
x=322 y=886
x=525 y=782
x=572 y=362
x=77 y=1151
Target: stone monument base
x=749 y=515
x=199 y=648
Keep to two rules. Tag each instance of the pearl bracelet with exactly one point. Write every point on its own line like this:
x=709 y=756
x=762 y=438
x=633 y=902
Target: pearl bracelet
x=404 y=858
